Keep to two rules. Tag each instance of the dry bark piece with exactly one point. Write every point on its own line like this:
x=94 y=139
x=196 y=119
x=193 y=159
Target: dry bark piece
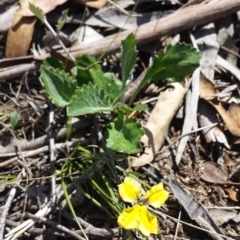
x=208 y=46
x=113 y=18
x=190 y=120
x=158 y=123
x=226 y=38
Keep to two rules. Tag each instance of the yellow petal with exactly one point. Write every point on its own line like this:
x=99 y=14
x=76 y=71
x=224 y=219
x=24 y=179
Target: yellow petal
x=148 y=222
x=156 y=196
x=129 y=190
x=130 y=217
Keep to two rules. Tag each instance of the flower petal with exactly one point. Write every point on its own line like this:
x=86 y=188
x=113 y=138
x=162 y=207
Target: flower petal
x=148 y=222
x=156 y=196
x=130 y=217
x=130 y=190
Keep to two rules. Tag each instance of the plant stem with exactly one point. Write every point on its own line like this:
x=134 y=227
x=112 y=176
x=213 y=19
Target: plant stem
x=57 y=38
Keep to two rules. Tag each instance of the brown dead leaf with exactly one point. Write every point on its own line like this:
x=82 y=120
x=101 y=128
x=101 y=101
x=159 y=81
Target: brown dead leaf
x=234 y=110
x=93 y=3
x=208 y=116
x=207 y=92
x=231 y=124
x=45 y=6
x=207 y=89
x=158 y=123
x=222 y=216
x=19 y=36
x=233 y=194
x=213 y=173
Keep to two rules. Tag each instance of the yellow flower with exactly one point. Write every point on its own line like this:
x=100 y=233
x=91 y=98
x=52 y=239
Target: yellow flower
x=138 y=216
x=130 y=217
x=156 y=196
x=148 y=223
x=130 y=190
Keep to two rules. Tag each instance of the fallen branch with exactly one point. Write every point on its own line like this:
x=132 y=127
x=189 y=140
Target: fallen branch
x=176 y=22
x=180 y=20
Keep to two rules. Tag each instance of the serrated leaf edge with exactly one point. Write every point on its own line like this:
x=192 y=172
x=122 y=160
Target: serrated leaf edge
x=44 y=86
x=106 y=97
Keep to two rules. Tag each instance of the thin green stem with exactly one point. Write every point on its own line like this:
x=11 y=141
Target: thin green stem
x=136 y=93
x=57 y=38
x=69 y=127
x=71 y=207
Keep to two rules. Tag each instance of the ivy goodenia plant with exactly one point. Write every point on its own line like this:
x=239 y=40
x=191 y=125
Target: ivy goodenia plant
x=88 y=90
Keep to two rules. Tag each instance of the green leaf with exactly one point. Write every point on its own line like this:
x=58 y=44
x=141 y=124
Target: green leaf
x=128 y=57
x=99 y=79
x=58 y=85
x=128 y=110
x=53 y=62
x=62 y=20
x=86 y=61
x=82 y=70
x=37 y=12
x=112 y=85
x=124 y=135
x=177 y=62
x=87 y=70
x=87 y=100
x=124 y=108
x=14 y=118
x=82 y=76
x=140 y=107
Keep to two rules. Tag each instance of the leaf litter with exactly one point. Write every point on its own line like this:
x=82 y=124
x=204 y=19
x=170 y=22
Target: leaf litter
x=200 y=168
